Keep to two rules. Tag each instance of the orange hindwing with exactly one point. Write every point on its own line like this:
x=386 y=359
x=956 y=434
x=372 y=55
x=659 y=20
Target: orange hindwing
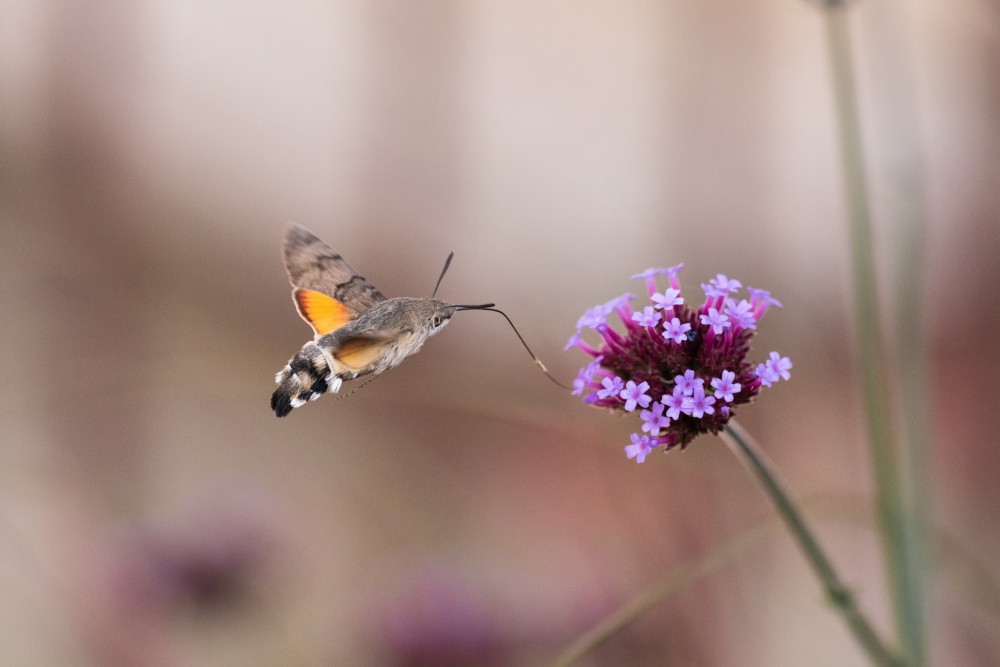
x=323 y=313
x=359 y=353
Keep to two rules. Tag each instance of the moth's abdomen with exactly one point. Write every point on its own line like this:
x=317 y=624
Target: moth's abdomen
x=306 y=377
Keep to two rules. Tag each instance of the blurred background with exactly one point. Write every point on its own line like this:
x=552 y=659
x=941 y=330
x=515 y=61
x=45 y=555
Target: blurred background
x=462 y=510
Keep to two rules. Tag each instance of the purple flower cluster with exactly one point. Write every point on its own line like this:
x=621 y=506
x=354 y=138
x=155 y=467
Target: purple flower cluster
x=693 y=360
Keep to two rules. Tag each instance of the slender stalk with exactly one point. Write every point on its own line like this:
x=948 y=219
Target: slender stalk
x=912 y=354
x=741 y=444
x=898 y=547
x=915 y=481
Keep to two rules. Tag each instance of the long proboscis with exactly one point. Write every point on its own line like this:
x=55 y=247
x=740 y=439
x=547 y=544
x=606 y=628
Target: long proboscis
x=534 y=357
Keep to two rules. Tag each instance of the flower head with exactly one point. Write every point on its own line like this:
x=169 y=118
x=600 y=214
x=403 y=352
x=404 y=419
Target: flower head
x=683 y=368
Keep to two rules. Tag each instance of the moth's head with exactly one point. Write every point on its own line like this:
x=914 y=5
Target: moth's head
x=436 y=314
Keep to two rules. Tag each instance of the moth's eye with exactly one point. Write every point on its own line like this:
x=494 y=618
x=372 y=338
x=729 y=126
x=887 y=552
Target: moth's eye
x=437 y=321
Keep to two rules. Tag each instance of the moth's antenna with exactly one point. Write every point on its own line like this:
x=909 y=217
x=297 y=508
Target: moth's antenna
x=489 y=306
x=447 y=263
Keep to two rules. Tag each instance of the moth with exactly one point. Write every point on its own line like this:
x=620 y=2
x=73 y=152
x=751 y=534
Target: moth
x=358 y=331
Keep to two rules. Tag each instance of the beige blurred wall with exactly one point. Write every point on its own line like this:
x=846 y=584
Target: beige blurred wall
x=152 y=153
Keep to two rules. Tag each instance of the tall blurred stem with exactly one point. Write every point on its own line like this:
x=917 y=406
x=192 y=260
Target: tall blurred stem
x=900 y=542
x=750 y=454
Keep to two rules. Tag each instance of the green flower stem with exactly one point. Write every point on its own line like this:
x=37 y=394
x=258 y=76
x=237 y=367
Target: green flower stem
x=900 y=543
x=741 y=444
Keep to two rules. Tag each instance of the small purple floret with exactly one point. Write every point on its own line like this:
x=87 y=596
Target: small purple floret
x=613 y=386
x=699 y=404
x=671 y=274
x=779 y=366
x=766 y=375
x=635 y=394
x=718 y=322
x=647 y=318
x=641 y=446
x=668 y=299
x=687 y=383
x=621 y=305
x=586 y=376
x=761 y=300
x=741 y=314
x=654 y=419
x=725 y=387
x=676 y=331
x=725 y=285
x=675 y=403
x=593 y=318
x=649 y=275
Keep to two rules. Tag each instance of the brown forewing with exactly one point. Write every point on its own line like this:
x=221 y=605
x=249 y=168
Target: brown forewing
x=312 y=264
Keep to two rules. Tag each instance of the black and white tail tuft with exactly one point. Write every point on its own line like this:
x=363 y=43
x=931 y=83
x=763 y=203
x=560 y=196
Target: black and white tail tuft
x=306 y=377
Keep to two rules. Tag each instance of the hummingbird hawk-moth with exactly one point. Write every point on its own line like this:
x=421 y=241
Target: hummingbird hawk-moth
x=358 y=331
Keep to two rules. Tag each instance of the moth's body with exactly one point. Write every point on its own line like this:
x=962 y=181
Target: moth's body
x=401 y=314
x=358 y=331
x=389 y=326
